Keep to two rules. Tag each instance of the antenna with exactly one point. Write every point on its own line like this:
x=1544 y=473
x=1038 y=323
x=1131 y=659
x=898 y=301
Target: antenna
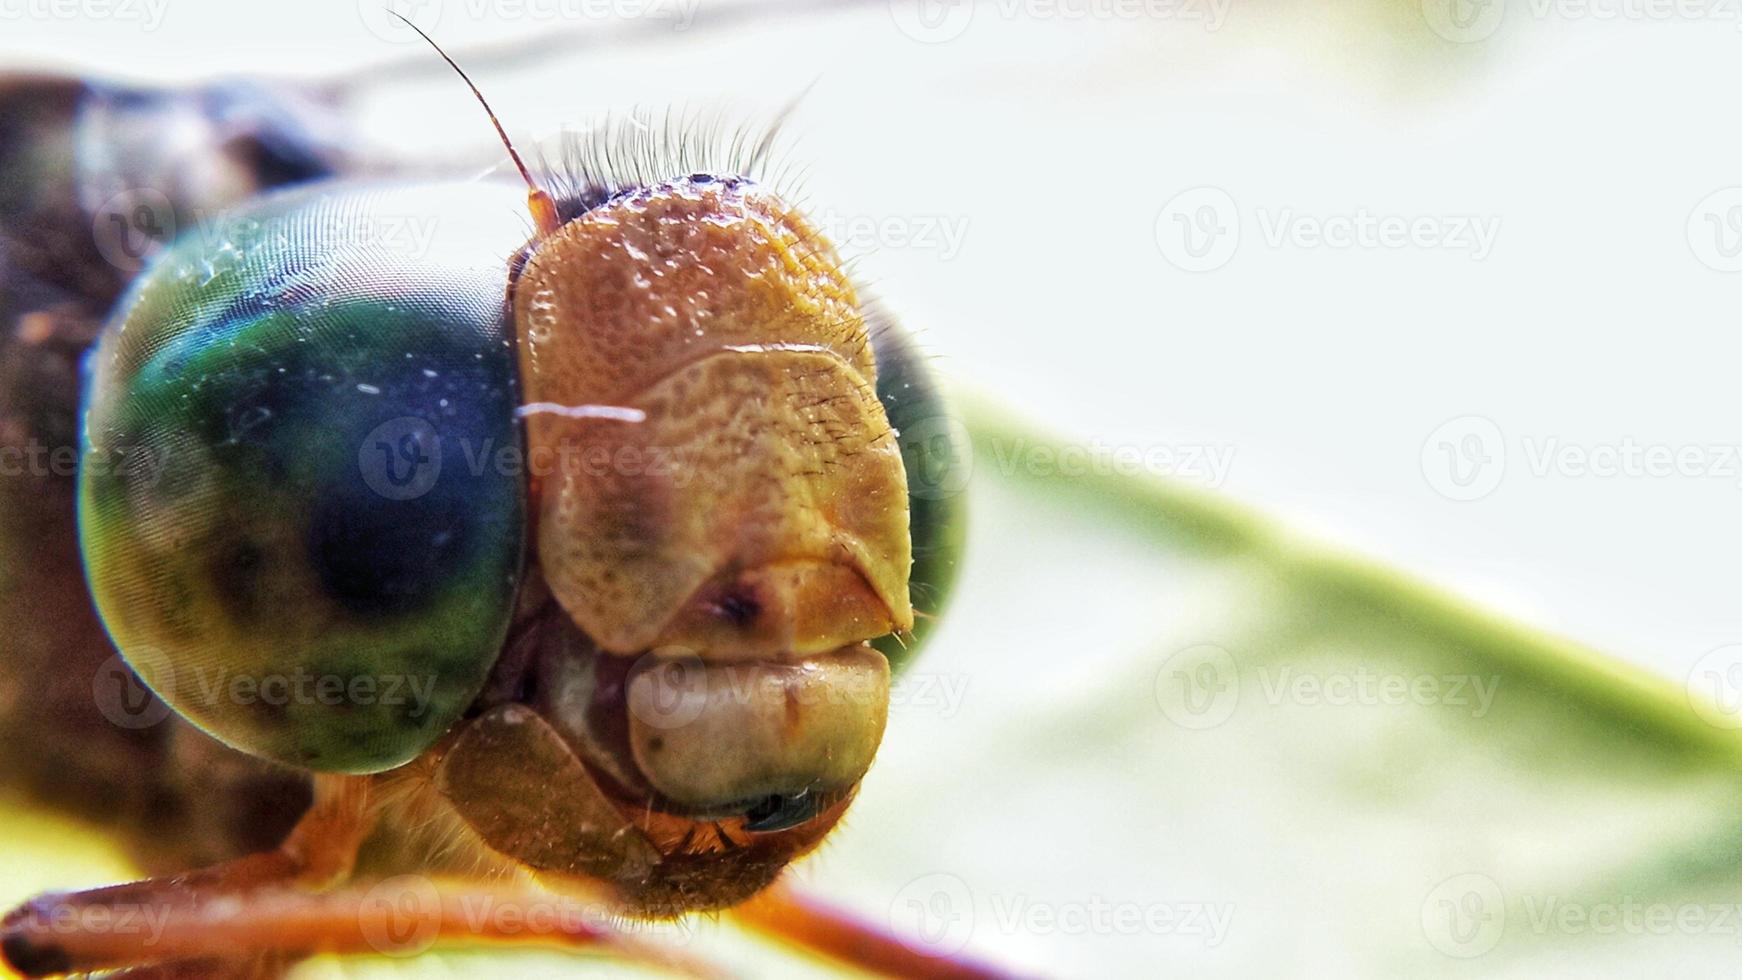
x=537 y=199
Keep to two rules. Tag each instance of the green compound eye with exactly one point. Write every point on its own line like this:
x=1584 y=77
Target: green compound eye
x=290 y=512
x=938 y=458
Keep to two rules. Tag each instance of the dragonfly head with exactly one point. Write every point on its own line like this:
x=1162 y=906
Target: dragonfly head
x=720 y=516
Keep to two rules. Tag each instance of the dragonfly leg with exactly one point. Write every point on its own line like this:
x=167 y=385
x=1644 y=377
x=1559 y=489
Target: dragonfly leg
x=271 y=967
x=402 y=916
x=781 y=912
x=251 y=917
x=117 y=926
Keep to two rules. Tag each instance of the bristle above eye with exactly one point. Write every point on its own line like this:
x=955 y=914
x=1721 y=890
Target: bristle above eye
x=584 y=168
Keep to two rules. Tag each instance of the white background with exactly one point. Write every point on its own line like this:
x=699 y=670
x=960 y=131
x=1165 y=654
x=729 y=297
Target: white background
x=1054 y=143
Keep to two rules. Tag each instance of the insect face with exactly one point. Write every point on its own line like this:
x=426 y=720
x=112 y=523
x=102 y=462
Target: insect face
x=727 y=522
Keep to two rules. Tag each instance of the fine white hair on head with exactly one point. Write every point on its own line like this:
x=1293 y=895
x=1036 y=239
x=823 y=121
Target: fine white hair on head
x=586 y=166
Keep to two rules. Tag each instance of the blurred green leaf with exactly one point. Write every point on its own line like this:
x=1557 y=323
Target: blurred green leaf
x=1176 y=707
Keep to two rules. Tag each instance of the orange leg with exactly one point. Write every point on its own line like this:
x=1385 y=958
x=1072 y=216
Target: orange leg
x=263 y=968
x=117 y=926
x=786 y=915
x=273 y=926
x=251 y=918
x=257 y=932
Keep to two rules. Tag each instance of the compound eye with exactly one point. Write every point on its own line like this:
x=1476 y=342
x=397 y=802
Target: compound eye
x=939 y=461
x=282 y=519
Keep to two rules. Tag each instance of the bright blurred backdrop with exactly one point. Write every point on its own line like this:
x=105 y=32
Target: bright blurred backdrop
x=1438 y=282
